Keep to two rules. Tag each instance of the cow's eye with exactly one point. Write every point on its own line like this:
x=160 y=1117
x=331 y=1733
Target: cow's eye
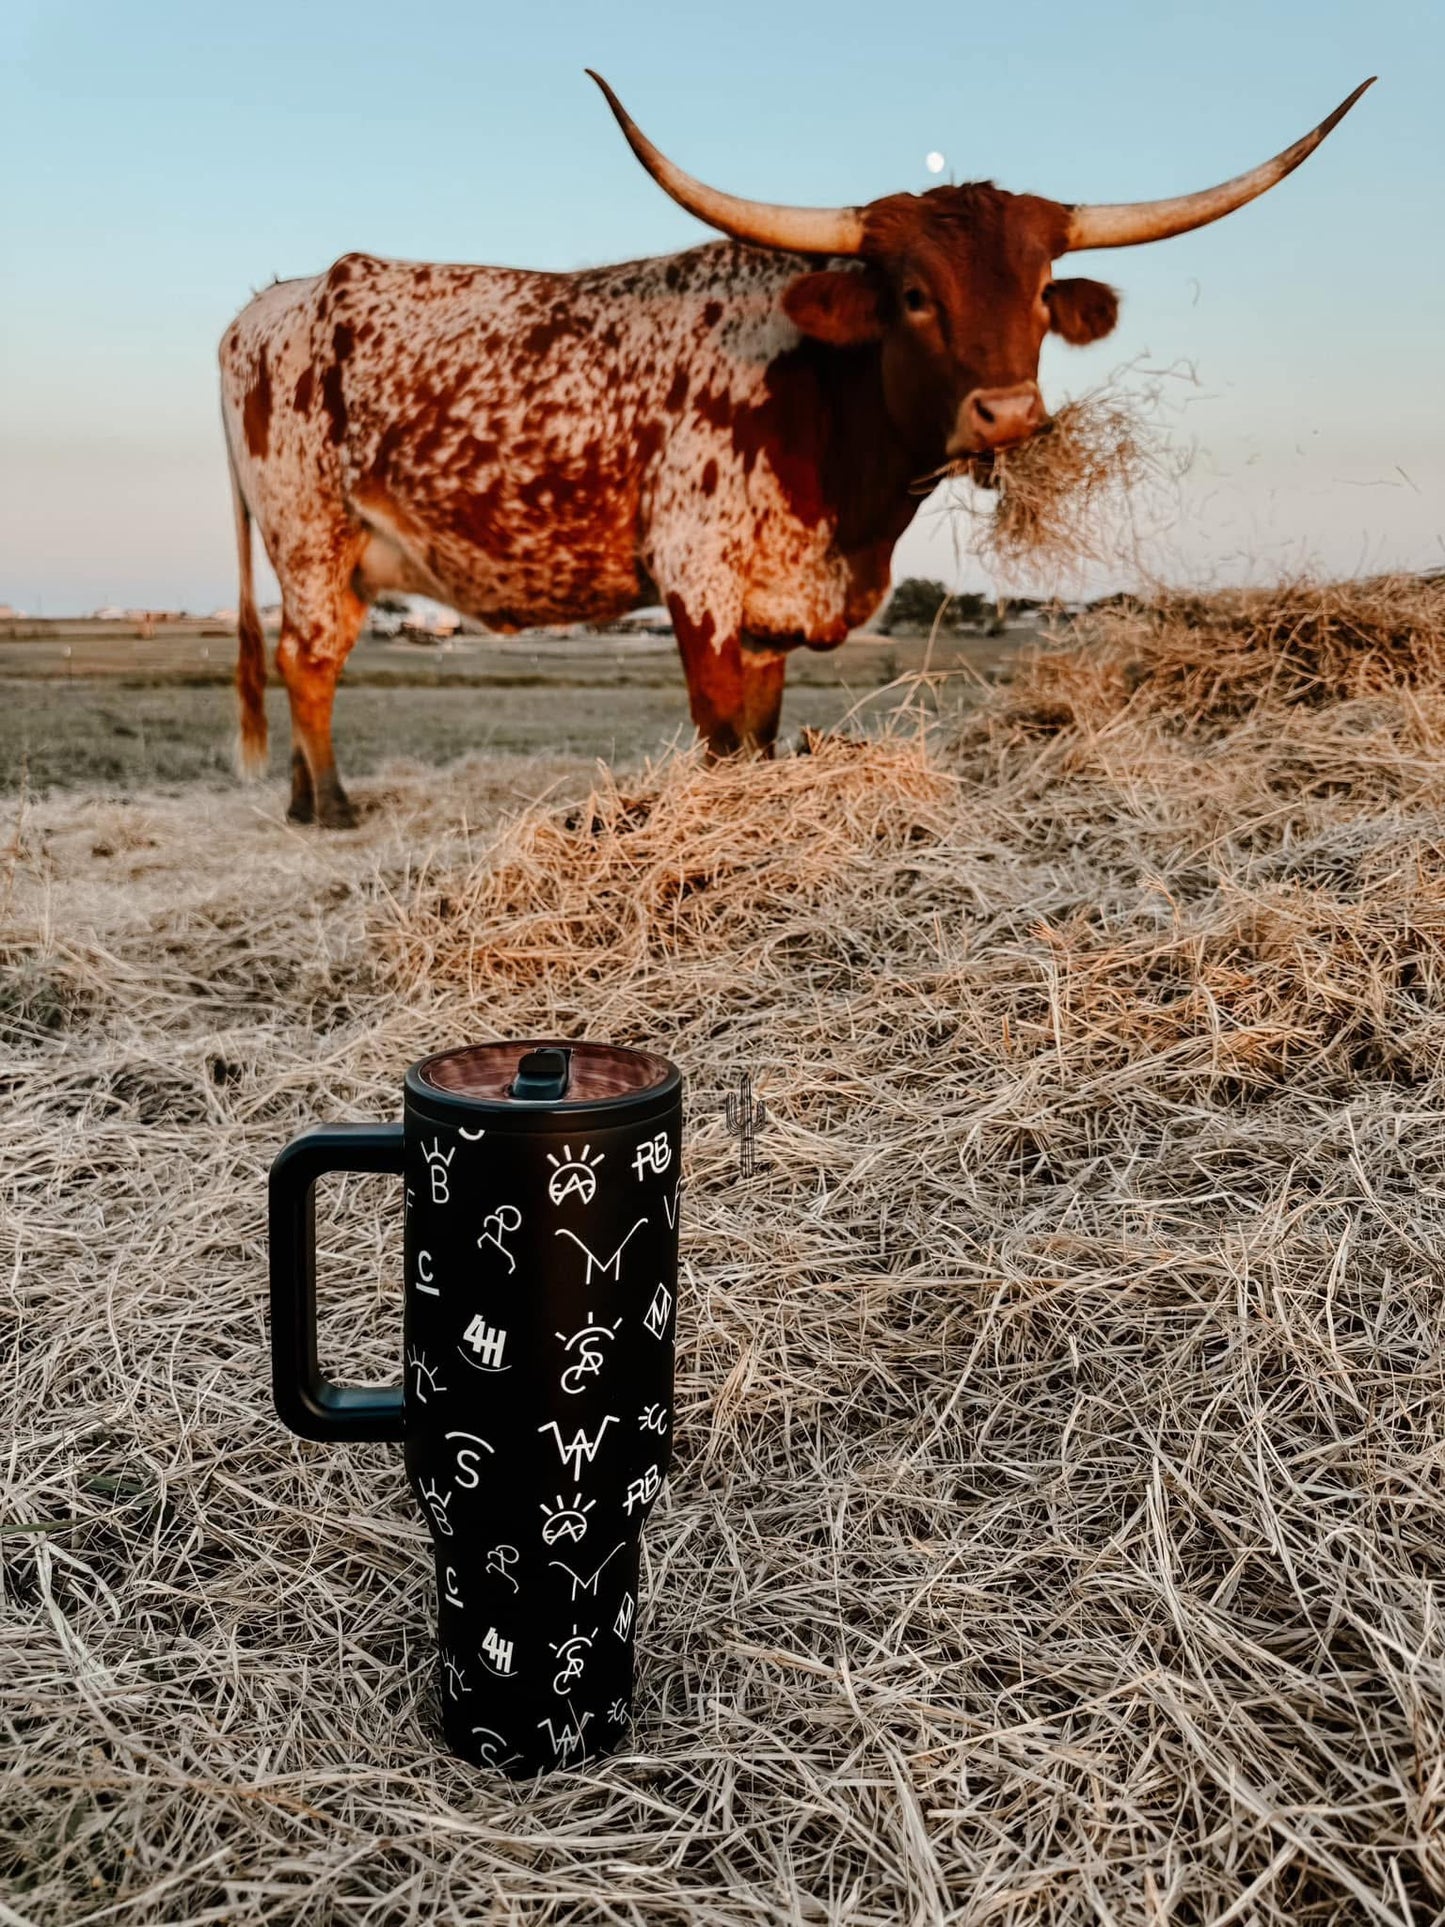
x=915 y=300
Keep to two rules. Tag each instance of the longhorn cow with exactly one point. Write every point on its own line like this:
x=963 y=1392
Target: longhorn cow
x=738 y=430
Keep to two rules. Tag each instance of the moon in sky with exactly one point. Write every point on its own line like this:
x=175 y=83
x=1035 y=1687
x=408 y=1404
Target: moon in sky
x=934 y=162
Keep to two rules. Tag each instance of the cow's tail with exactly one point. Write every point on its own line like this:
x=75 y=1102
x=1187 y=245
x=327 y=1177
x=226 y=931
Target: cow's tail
x=251 y=744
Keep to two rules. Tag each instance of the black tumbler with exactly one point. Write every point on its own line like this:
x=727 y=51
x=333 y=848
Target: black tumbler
x=542 y=1184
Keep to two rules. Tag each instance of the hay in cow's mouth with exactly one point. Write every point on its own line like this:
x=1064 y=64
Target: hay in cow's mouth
x=1081 y=492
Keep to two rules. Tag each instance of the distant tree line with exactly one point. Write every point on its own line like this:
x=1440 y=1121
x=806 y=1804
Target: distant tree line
x=916 y=604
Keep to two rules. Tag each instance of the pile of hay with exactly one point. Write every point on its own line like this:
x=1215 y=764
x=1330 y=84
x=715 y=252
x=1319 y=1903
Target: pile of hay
x=1057 y=1529
x=1207 y=663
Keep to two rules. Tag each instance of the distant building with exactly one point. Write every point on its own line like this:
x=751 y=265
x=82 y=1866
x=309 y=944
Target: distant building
x=431 y=625
x=654 y=621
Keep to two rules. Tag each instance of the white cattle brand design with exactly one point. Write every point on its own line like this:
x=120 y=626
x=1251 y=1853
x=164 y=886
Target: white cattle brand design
x=653 y=1154
x=498 y=1653
x=655 y=1317
x=488 y=1342
x=498 y=1225
x=563 y=1521
x=669 y=1206
x=437 y=1163
x=569 y=1740
x=453 y=1597
x=616 y=1712
x=590 y=1357
x=573 y=1653
x=472 y=1137
x=468 y=1477
x=622 y=1625
x=487 y=1750
x=500 y=1561
x=581 y=1447
x=425 y=1277
x=436 y=1505
x=456 y=1678
x=579 y=1584
x=609 y=1267
x=425 y=1376
x=644 y=1490
x=571 y=1174
x=652 y=1418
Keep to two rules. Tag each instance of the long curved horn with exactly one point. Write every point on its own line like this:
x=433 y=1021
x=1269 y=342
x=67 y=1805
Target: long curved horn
x=1123 y=225
x=803 y=230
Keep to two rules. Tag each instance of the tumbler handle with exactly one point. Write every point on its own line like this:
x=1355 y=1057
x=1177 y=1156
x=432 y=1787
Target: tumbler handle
x=310 y=1404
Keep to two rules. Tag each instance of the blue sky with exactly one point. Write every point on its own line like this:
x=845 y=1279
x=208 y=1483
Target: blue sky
x=162 y=160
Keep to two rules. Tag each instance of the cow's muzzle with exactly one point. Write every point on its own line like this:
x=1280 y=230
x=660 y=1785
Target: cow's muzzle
x=994 y=418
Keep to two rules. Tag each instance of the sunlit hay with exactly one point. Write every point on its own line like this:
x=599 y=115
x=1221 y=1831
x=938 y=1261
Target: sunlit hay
x=705 y=862
x=1088 y=491
x=1056 y=1530
x=1205 y=662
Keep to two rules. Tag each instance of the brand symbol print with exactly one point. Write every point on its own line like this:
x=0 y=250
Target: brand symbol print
x=569 y=1740
x=488 y=1342
x=456 y=1678
x=500 y=1561
x=489 y=1742
x=425 y=1277
x=468 y=1477
x=588 y=1341
x=655 y=1317
x=644 y=1490
x=498 y=1653
x=653 y=1154
x=579 y=1584
x=564 y=1521
x=609 y=1267
x=617 y=1712
x=453 y=1596
x=498 y=1227
x=437 y=1163
x=572 y=1652
x=574 y=1176
x=437 y=1506
x=581 y=1447
x=426 y=1378
x=652 y=1418
x=622 y=1625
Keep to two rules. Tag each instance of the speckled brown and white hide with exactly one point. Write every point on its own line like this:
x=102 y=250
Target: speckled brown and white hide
x=534 y=448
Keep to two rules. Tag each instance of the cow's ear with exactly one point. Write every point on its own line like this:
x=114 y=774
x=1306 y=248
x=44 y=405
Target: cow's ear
x=1082 y=311
x=835 y=306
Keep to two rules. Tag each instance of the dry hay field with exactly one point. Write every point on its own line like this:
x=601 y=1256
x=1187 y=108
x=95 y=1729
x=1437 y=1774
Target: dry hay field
x=1056 y=1529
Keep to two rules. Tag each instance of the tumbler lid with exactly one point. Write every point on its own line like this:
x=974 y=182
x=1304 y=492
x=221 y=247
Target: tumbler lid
x=545 y=1075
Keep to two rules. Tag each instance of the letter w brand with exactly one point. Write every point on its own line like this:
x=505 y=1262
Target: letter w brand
x=581 y=1447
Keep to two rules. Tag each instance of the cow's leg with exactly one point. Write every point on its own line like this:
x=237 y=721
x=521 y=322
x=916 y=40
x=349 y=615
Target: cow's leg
x=310 y=663
x=736 y=696
x=735 y=689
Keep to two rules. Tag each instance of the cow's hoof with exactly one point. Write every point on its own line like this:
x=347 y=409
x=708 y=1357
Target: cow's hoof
x=301 y=809
x=337 y=813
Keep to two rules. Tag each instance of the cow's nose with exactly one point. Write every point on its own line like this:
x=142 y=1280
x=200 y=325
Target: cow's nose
x=997 y=418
